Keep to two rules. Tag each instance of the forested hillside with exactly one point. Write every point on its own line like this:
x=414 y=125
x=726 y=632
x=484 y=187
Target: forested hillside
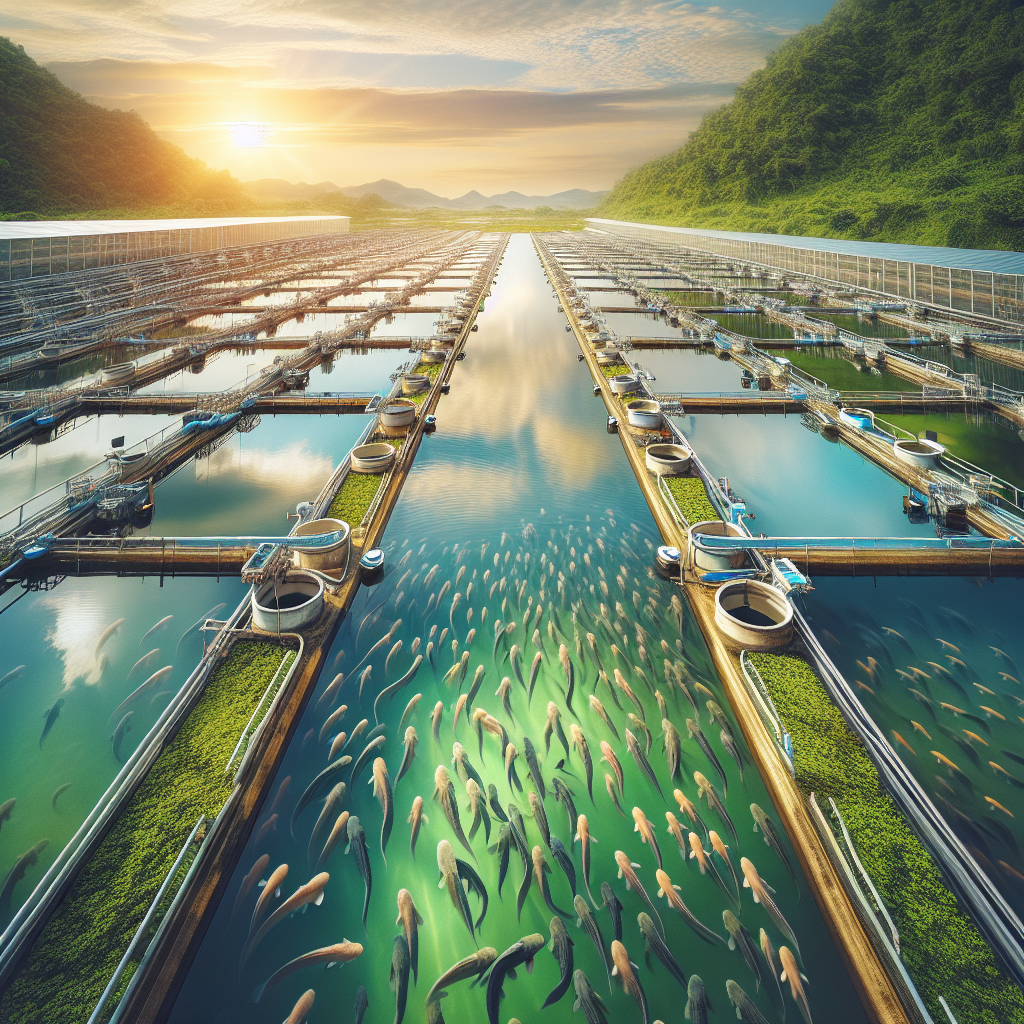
x=60 y=154
x=895 y=120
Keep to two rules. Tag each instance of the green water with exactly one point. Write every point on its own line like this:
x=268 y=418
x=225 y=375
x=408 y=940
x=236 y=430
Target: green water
x=838 y=372
x=865 y=326
x=515 y=474
x=752 y=325
x=973 y=617
x=55 y=636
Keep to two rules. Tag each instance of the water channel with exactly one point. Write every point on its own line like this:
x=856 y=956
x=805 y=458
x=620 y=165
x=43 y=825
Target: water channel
x=520 y=476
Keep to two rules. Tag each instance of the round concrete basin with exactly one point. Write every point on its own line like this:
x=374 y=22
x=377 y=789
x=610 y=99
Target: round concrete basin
x=118 y=373
x=399 y=412
x=668 y=459
x=433 y=355
x=607 y=357
x=372 y=458
x=644 y=413
x=415 y=383
x=288 y=605
x=324 y=558
x=705 y=561
x=623 y=383
x=923 y=454
x=753 y=615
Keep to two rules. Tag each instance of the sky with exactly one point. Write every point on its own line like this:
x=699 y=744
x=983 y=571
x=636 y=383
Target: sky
x=448 y=95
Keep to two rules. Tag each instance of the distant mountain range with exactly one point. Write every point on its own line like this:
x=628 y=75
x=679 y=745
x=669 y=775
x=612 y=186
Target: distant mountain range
x=418 y=198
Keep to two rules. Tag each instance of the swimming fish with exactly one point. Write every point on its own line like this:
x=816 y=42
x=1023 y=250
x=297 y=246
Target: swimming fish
x=533 y=765
x=561 y=948
x=409 y=742
x=123 y=728
x=17 y=873
x=108 y=633
x=641 y=760
x=390 y=691
x=791 y=973
x=409 y=918
x=53 y=799
x=339 y=953
x=478 y=808
x=746 y=1010
x=598 y=708
x=382 y=791
x=696 y=733
x=416 y=819
x=706 y=790
x=753 y=881
x=587 y=1000
x=625 y=970
x=579 y=741
x=340 y=828
x=686 y=807
x=570 y=677
x=656 y=945
x=17 y=671
x=671 y=894
x=435 y=721
x=723 y=851
x=554 y=726
x=697 y=1002
x=474 y=966
x=632 y=882
x=621 y=683
x=157 y=677
x=444 y=793
x=365 y=757
x=614 y=908
x=521 y=952
x=357 y=846
x=311 y=892
x=540 y=817
x=251 y=878
x=331 y=719
x=51 y=716
x=740 y=937
x=564 y=796
x=646 y=829
x=534 y=670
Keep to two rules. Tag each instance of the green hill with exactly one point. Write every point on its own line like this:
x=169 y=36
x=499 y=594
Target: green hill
x=60 y=154
x=893 y=120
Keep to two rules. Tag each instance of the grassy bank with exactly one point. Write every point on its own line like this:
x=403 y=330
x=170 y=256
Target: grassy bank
x=79 y=949
x=942 y=950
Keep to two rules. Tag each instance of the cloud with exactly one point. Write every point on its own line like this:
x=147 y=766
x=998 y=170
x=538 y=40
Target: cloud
x=536 y=95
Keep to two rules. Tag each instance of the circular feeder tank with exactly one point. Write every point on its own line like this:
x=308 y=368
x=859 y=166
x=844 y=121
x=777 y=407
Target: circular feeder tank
x=372 y=458
x=753 y=615
x=607 y=356
x=288 y=605
x=668 y=459
x=415 y=383
x=705 y=561
x=924 y=454
x=433 y=355
x=623 y=383
x=644 y=413
x=399 y=412
x=325 y=558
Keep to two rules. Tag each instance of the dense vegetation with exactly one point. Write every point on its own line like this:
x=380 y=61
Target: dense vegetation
x=942 y=950
x=59 y=153
x=895 y=120
x=691 y=497
x=355 y=497
x=96 y=921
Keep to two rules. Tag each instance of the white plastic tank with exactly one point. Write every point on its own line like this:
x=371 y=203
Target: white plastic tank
x=287 y=605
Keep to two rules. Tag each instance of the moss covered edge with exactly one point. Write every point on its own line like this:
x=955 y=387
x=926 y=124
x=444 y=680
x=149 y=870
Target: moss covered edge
x=80 y=947
x=942 y=950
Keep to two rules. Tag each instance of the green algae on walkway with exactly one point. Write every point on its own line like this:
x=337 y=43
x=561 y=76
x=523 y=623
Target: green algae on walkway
x=692 y=498
x=79 y=949
x=942 y=950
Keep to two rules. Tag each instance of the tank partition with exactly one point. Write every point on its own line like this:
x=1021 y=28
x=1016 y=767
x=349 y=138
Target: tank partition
x=943 y=951
x=94 y=924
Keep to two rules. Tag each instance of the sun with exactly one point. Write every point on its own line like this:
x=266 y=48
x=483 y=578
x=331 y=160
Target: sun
x=248 y=134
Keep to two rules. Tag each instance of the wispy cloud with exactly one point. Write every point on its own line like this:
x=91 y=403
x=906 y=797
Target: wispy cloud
x=332 y=81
